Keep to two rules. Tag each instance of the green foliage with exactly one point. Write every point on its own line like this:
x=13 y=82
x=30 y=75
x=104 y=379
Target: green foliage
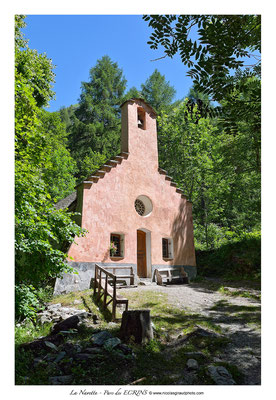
x=217 y=170
x=41 y=232
x=222 y=44
x=239 y=258
x=59 y=167
x=95 y=124
x=157 y=92
x=26 y=302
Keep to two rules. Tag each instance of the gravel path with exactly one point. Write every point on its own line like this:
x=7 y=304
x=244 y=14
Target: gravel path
x=237 y=316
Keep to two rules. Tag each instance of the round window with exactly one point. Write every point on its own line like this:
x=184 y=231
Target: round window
x=143 y=205
x=139 y=207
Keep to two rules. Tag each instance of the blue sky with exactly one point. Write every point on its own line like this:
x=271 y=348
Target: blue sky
x=76 y=42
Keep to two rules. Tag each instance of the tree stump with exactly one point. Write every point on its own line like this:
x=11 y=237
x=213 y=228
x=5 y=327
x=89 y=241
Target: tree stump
x=136 y=323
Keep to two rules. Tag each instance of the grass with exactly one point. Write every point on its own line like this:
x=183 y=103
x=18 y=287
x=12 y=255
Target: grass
x=239 y=293
x=245 y=314
x=161 y=361
x=29 y=332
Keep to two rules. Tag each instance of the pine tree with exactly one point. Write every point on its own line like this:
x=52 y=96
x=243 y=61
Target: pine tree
x=157 y=91
x=96 y=122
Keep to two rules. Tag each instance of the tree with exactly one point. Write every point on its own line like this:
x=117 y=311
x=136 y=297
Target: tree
x=40 y=229
x=157 y=92
x=96 y=122
x=59 y=167
x=215 y=48
x=133 y=93
x=215 y=169
x=221 y=45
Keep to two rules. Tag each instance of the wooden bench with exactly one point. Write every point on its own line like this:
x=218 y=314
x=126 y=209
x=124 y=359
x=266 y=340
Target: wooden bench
x=170 y=275
x=105 y=285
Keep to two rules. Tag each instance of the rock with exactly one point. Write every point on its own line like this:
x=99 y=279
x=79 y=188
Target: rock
x=168 y=337
x=188 y=379
x=72 y=282
x=220 y=375
x=53 y=306
x=84 y=356
x=203 y=332
x=45 y=319
x=51 y=345
x=93 y=350
x=39 y=344
x=60 y=380
x=69 y=323
x=50 y=357
x=192 y=364
x=68 y=348
x=111 y=343
x=77 y=302
x=38 y=361
x=124 y=348
x=56 y=319
x=60 y=356
x=100 y=337
x=145 y=283
x=77 y=348
x=195 y=354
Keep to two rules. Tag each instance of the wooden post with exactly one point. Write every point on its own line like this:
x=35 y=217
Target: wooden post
x=136 y=323
x=95 y=280
x=105 y=291
x=100 y=285
x=114 y=299
x=131 y=281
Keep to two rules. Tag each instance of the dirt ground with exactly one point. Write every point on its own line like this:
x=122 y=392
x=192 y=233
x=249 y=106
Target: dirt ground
x=238 y=317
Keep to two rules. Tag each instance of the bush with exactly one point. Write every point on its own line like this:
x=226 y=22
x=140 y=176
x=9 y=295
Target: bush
x=240 y=258
x=26 y=302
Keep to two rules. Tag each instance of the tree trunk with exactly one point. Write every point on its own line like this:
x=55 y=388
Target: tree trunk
x=136 y=323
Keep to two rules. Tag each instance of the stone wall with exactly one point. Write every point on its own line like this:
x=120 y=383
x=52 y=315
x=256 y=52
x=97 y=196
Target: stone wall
x=81 y=280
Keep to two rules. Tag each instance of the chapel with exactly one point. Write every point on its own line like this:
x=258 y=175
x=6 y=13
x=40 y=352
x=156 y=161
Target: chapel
x=132 y=210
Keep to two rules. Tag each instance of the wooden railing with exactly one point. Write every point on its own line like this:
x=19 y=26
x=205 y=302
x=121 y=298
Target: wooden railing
x=105 y=285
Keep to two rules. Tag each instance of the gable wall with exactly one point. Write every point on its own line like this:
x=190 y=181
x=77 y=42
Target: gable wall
x=108 y=205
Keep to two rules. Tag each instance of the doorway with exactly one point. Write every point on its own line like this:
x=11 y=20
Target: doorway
x=141 y=254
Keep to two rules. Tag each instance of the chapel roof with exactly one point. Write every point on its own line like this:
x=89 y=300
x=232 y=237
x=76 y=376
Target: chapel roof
x=140 y=99
x=66 y=202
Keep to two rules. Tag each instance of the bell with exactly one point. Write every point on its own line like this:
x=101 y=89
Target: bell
x=140 y=123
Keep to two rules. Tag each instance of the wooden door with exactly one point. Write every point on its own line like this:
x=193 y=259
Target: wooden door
x=141 y=254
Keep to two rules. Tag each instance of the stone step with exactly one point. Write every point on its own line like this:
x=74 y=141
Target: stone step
x=168 y=178
x=146 y=282
x=173 y=184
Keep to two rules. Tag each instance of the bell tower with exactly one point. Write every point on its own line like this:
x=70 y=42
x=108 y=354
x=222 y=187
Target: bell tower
x=139 y=134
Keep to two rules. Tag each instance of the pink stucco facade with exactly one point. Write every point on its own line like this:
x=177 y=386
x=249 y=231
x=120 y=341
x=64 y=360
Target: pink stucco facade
x=107 y=203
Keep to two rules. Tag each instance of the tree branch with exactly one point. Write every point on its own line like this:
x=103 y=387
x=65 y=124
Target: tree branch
x=160 y=58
